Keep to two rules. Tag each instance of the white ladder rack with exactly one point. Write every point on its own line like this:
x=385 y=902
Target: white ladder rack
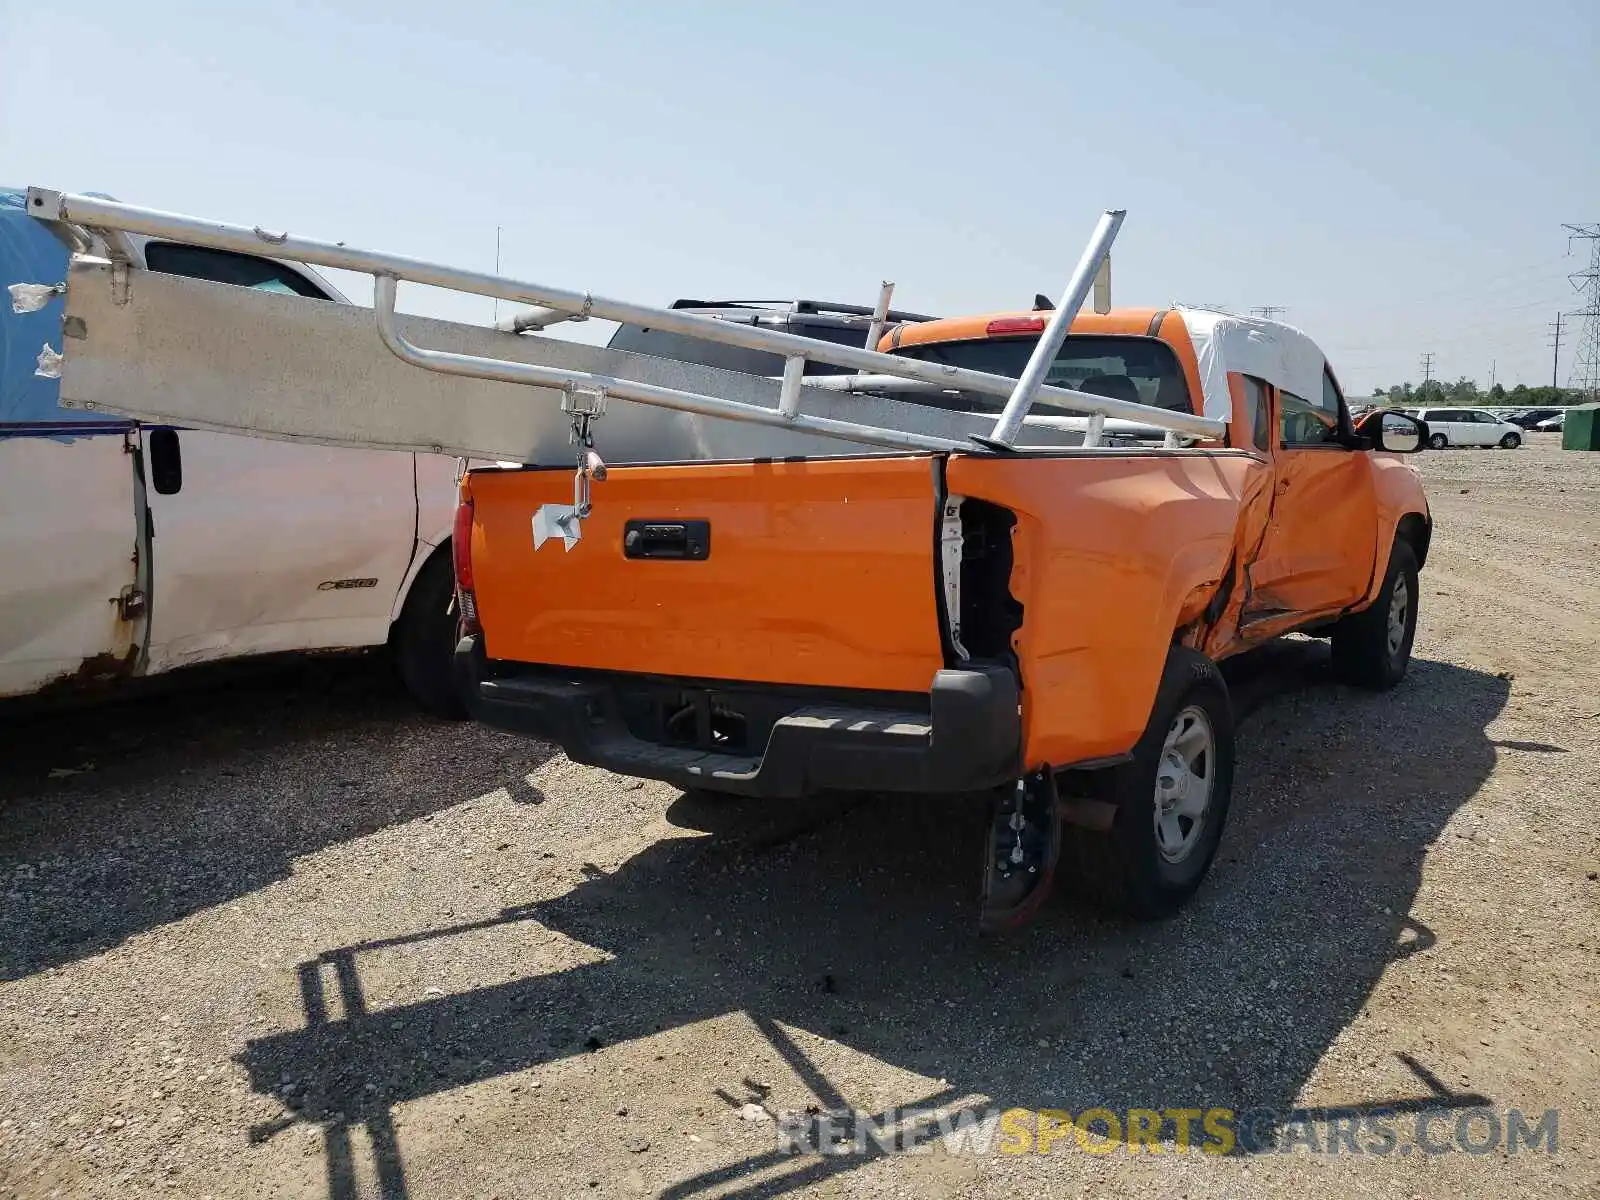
x=387 y=270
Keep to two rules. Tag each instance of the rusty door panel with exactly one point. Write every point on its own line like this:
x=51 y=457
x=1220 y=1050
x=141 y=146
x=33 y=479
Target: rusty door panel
x=69 y=551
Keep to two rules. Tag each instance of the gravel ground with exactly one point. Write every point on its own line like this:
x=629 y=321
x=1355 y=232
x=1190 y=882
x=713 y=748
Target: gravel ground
x=274 y=935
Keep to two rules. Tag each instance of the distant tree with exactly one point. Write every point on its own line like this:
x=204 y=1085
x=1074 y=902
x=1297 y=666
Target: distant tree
x=1543 y=397
x=1464 y=392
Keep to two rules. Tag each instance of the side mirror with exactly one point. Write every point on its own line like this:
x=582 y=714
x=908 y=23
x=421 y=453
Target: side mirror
x=1393 y=432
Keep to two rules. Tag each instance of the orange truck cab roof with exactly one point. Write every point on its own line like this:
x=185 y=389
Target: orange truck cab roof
x=1208 y=344
x=1125 y=321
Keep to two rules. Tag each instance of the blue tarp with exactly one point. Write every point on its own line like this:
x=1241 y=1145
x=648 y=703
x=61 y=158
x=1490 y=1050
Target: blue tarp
x=30 y=253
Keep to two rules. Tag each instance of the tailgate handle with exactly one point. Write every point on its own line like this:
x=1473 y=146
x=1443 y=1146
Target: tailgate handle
x=666 y=539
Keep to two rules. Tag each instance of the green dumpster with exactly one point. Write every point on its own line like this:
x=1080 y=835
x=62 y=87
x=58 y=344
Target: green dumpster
x=1581 y=430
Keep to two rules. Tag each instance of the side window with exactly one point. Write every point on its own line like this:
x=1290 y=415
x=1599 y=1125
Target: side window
x=1255 y=406
x=1332 y=401
x=1309 y=422
x=225 y=266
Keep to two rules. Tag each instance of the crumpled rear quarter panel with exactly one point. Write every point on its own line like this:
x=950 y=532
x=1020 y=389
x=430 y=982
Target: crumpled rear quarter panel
x=1108 y=551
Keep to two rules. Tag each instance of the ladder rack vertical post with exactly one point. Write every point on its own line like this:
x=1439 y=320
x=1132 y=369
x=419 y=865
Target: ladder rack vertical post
x=794 y=369
x=880 y=316
x=1009 y=425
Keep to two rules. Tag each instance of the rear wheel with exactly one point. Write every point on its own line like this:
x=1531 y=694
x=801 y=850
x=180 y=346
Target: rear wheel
x=1511 y=441
x=1171 y=800
x=425 y=640
x=1372 y=648
x=1438 y=441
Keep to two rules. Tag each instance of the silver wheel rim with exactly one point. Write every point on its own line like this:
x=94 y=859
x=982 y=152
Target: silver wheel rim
x=1184 y=778
x=1399 y=611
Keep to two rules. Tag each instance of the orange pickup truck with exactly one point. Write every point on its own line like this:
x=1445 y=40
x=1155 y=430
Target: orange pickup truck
x=862 y=581
x=1041 y=628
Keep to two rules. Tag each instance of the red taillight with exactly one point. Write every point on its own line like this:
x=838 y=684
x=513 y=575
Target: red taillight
x=1015 y=325
x=461 y=556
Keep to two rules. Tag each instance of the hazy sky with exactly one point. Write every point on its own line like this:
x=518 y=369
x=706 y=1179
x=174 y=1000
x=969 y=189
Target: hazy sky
x=1395 y=174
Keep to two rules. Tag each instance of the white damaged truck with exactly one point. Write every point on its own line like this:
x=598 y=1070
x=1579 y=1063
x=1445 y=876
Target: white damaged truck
x=130 y=548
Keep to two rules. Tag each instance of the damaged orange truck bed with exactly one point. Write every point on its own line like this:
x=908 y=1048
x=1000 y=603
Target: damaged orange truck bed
x=1042 y=627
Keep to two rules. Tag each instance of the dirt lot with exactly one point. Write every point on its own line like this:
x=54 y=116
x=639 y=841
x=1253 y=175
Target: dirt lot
x=276 y=936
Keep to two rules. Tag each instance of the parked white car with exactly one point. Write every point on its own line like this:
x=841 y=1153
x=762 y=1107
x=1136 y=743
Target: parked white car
x=130 y=549
x=1468 y=427
x=1553 y=424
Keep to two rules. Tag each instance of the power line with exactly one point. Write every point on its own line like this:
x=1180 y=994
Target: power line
x=1480 y=285
x=1585 y=378
x=1512 y=327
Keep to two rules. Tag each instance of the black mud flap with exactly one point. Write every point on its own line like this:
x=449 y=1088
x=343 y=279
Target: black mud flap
x=1022 y=846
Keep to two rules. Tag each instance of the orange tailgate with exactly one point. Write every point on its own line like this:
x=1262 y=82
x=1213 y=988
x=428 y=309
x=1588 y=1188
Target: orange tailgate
x=818 y=572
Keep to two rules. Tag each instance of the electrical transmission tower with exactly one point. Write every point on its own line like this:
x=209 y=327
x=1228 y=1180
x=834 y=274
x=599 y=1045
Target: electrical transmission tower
x=1585 y=379
x=1427 y=372
x=1268 y=312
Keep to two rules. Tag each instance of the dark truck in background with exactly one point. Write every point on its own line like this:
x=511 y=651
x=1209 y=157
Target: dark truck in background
x=843 y=324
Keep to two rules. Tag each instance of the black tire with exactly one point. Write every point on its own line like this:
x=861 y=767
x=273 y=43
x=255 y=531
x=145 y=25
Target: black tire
x=1437 y=441
x=425 y=640
x=1364 y=654
x=1124 y=868
x=1511 y=441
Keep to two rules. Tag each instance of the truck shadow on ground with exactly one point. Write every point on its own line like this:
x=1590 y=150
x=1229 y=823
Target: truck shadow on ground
x=860 y=929
x=121 y=816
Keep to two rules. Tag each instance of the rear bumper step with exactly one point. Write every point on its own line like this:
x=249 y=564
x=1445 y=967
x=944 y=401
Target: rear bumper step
x=771 y=741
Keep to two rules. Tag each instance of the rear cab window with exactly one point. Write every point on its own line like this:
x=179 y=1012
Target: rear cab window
x=1140 y=370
